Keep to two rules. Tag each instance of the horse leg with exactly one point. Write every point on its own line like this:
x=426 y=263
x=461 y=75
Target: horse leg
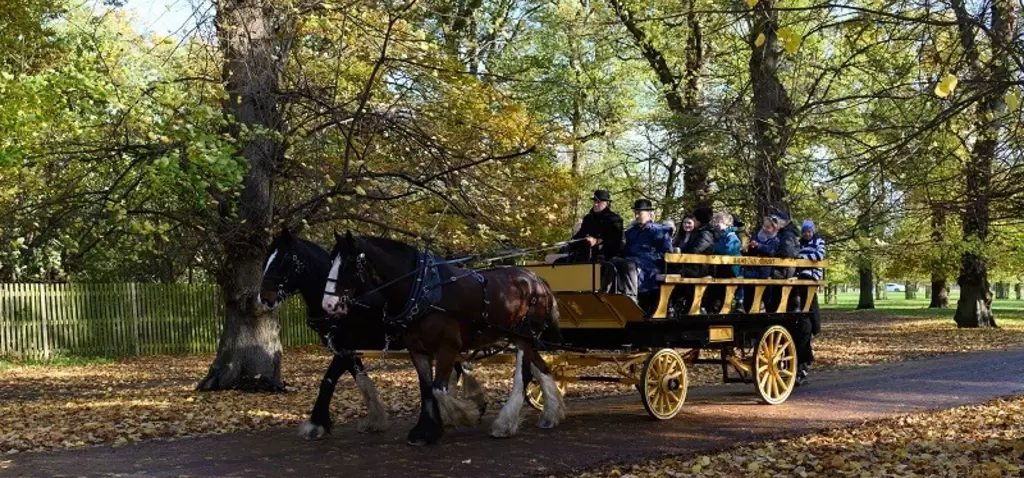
x=377 y=417
x=471 y=388
x=507 y=422
x=554 y=406
x=428 y=429
x=319 y=422
x=454 y=410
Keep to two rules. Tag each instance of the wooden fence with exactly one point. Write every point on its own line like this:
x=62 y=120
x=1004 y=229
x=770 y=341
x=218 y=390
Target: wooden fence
x=47 y=320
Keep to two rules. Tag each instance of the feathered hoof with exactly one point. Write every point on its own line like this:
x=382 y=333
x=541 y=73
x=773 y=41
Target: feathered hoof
x=504 y=430
x=372 y=425
x=310 y=431
x=547 y=423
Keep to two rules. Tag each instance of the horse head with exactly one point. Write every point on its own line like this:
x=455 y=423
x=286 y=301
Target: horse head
x=347 y=274
x=282 y=270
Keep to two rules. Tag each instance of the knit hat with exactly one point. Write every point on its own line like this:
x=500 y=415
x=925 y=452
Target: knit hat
x=808 y=224
x=781 y=215
x=703 y=214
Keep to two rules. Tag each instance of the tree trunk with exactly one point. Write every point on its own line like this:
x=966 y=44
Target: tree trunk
x=867 y=285
x=1017 y=290
x=940 y=287
x=940 y=293
x=252 y=44
x=681 y=101
x=911 y=290
x=772 y=110
x=992 y=78
x=1002 y=290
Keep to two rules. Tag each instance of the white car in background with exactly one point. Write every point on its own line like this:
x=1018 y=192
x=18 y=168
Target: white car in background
x=893 y=287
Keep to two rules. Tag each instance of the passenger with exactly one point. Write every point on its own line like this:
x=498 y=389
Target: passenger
x=812 y=247
x=764 y=244
x=700 y=241
x=689 y=225
x=726 y=244
x=789 y=244
x=643 y=255
x=602 y=231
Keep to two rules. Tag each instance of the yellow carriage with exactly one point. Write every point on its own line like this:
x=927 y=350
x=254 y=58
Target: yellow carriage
x=652 y=351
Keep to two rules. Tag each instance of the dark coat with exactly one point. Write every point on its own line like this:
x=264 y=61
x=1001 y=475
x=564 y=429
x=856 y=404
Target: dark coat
x=702 y=241
x=606 y=226
x=646 y=246
x=789 y=247
x=766 y=247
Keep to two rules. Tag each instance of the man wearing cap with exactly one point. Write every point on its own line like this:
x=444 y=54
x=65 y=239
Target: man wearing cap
x=643 y=256
x=812 y=247
x=601 y=231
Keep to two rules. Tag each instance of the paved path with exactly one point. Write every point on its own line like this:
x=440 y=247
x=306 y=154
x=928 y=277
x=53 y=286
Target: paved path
x=596 y=432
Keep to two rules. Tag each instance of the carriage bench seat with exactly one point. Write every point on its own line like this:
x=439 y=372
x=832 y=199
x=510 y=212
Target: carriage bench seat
x=668 y=282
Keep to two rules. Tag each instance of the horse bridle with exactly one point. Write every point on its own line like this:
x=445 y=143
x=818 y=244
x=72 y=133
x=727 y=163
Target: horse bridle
x=282 y=281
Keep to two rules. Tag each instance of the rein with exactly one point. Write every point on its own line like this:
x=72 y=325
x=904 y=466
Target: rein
x=411 y=311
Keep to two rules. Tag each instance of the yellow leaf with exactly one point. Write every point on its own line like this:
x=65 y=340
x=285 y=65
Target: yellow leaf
x=792 y=44
x=760 y=40
x=751 y=3
x=946 y=85
x=785 y=33
x=705 y=460
x=360 y=191
x=1013 y=100
x=831 y=195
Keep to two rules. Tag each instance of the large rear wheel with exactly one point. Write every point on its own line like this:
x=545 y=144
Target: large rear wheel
x=663 y=384
x=775 y=365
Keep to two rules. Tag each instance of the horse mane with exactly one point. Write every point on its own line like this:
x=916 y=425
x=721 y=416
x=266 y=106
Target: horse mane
x=387 y=245
x=314 y=249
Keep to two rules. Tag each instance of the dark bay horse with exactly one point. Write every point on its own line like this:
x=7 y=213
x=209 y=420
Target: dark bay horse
x=442 y=311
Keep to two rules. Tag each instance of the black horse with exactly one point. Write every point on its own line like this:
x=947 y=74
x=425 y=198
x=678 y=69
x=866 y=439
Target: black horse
x=297 y=264
x=446 y=310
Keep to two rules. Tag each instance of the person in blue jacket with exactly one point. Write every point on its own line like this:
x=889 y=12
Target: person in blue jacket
x=727 y=243
x=643 y=256
x=764 y=244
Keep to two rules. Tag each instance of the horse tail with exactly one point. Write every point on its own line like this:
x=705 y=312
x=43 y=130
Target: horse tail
x=552 y=332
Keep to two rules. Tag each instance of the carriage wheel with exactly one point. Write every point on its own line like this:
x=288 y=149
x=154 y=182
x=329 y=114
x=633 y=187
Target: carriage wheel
x=535 y=395
x=775 y=365
x=663 y=384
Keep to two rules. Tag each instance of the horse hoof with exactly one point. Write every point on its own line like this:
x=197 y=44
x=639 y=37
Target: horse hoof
x=502 y=434
x=310 y=431
x=547 y=424
x=371 y=426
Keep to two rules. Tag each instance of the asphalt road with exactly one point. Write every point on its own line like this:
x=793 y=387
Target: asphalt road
x=595 y=433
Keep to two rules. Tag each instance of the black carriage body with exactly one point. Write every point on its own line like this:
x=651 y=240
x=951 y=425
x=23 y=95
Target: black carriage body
x=684 y=331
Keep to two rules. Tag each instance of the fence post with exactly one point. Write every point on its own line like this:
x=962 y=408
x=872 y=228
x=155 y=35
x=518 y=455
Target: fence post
x=45 y=314
x=135 y=316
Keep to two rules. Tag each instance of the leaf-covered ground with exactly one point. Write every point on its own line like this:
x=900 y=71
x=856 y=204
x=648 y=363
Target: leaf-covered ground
x=984 y=440
x=46 y=407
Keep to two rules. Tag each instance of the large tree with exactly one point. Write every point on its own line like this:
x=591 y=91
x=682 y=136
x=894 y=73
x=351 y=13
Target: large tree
x=255 y=39
x=990 y=74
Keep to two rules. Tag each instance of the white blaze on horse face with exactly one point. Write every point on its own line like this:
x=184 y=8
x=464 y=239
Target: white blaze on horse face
x=270 y=260
x=330 y=300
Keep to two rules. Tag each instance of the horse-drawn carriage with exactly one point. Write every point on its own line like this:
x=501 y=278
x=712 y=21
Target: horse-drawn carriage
x=446 y=310
x=753 y=347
